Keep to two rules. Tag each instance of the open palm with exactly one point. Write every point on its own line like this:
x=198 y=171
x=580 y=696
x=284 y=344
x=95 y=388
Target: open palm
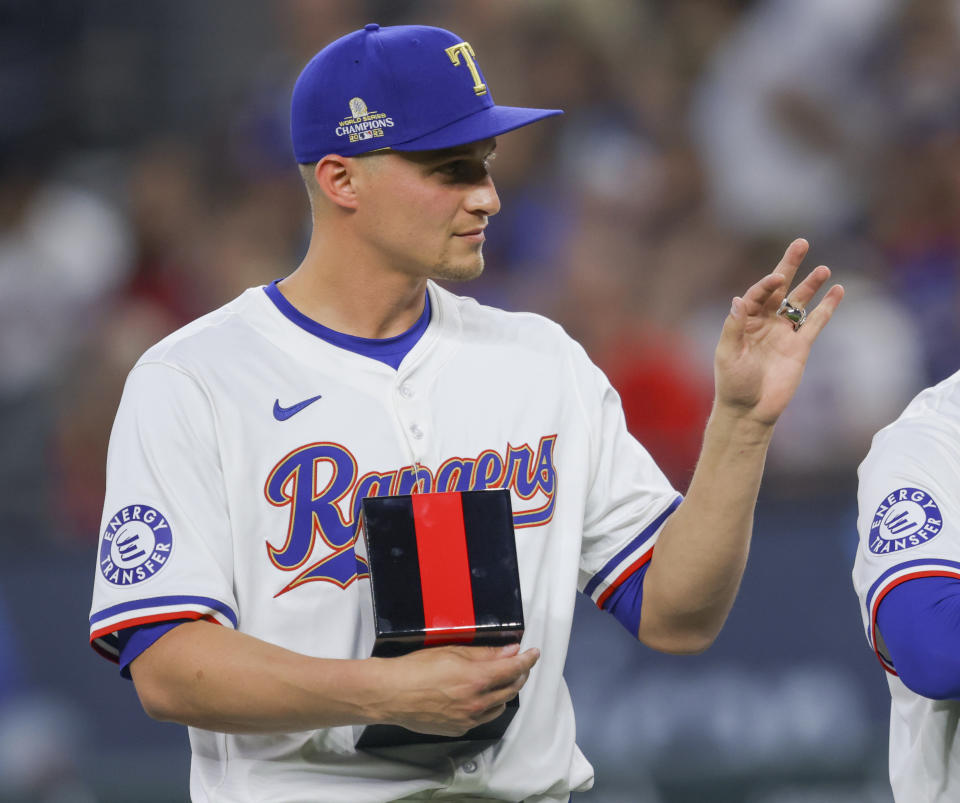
x=760 y=358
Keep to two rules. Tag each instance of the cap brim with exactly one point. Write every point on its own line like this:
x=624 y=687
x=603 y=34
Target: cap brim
x=484 y=124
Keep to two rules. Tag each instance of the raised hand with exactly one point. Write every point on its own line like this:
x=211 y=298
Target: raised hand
x=760 y=357
x=449 y=690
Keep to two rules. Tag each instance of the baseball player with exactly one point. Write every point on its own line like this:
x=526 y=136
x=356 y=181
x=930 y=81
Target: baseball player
x=227 y=583
x=906 y=575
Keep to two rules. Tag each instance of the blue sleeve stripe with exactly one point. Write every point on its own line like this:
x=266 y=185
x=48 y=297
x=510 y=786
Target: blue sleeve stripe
x=627 y=599
x=633 y=546
x=135 y=641
x=894 y=579
x=920 y=621
x=952 y=564
x=163 y=602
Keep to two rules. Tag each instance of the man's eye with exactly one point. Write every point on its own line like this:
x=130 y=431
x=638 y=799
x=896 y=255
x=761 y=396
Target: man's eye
x=458 y=168
x=465 y=170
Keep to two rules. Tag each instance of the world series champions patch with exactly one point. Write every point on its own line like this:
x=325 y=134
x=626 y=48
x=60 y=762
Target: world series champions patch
x=135 y=545
x=906 y=518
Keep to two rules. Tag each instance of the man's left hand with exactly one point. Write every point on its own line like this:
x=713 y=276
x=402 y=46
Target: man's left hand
x=760 y=357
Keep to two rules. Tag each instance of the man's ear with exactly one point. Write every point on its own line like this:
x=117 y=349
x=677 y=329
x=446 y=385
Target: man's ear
x=335 y=176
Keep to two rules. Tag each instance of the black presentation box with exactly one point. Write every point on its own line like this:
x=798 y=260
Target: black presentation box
x=443 y=570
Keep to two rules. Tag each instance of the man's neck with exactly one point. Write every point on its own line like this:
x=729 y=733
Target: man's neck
x=343 y=293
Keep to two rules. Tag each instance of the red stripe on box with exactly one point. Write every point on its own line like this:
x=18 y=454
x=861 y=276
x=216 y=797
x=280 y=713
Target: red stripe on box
x=444 y=569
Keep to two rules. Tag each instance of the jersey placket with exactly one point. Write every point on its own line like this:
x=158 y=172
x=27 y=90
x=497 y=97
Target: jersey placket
x=414 y=415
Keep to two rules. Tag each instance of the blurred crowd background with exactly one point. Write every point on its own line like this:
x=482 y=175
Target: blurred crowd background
x=146 y=178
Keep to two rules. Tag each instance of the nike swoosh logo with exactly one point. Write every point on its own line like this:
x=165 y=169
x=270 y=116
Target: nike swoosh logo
x=283 y=413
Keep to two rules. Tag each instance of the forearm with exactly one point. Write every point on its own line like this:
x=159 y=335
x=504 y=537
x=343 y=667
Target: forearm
x=702 y=551
x=218 y=679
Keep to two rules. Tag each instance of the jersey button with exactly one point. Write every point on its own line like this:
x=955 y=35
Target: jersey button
x=406 y=390
x=469 y=767
x=416 y=431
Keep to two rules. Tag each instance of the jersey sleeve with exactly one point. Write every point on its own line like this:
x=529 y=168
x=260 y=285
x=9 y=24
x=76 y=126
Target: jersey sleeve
x=165 y=550
x=908 y=516
x=920 y=622
x=628 y=497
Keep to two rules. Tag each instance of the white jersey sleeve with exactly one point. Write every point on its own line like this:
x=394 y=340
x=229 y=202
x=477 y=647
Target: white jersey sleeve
x=909 y=508
x=628 y=497
x=165 y=548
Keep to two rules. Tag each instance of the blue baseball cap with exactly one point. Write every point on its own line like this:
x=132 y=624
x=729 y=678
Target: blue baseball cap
x=404 y=87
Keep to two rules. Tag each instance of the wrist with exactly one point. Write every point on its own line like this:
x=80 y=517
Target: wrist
x=372 y=678
x=349 y=691
x=737 y=424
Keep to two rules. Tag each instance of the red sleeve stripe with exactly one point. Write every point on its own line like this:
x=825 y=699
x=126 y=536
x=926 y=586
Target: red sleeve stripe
x=146 y=620
x=100 y=639
x=619 y=563
x=644 y=558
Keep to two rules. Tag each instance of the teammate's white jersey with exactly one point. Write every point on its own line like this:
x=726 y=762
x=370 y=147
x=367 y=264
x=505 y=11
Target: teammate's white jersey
x=909 y=523
x=239 y=454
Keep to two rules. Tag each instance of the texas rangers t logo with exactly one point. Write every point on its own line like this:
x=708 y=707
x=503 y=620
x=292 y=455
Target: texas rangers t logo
x=469 y=57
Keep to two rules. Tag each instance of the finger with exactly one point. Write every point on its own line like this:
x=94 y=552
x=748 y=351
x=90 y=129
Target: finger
x=761 y=294
x=473 y=653
x=516 y=666
x=821 y=314
x=484 y=653
x=767 y=293
x=490 y=714
x=801 y=294
x=792 y=257
x=528 y=658
x=733 y=326
x=506 y=694
x=787 y=268
x=507 y=691
x=510 y=669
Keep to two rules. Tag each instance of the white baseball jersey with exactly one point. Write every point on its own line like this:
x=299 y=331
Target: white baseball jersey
x=909 y=523
x=240 y=453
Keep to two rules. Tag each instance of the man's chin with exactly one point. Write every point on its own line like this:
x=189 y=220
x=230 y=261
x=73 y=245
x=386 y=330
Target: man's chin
x=462 y=272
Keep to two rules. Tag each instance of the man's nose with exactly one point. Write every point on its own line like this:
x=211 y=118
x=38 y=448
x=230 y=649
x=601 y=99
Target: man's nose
x=483 y=198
